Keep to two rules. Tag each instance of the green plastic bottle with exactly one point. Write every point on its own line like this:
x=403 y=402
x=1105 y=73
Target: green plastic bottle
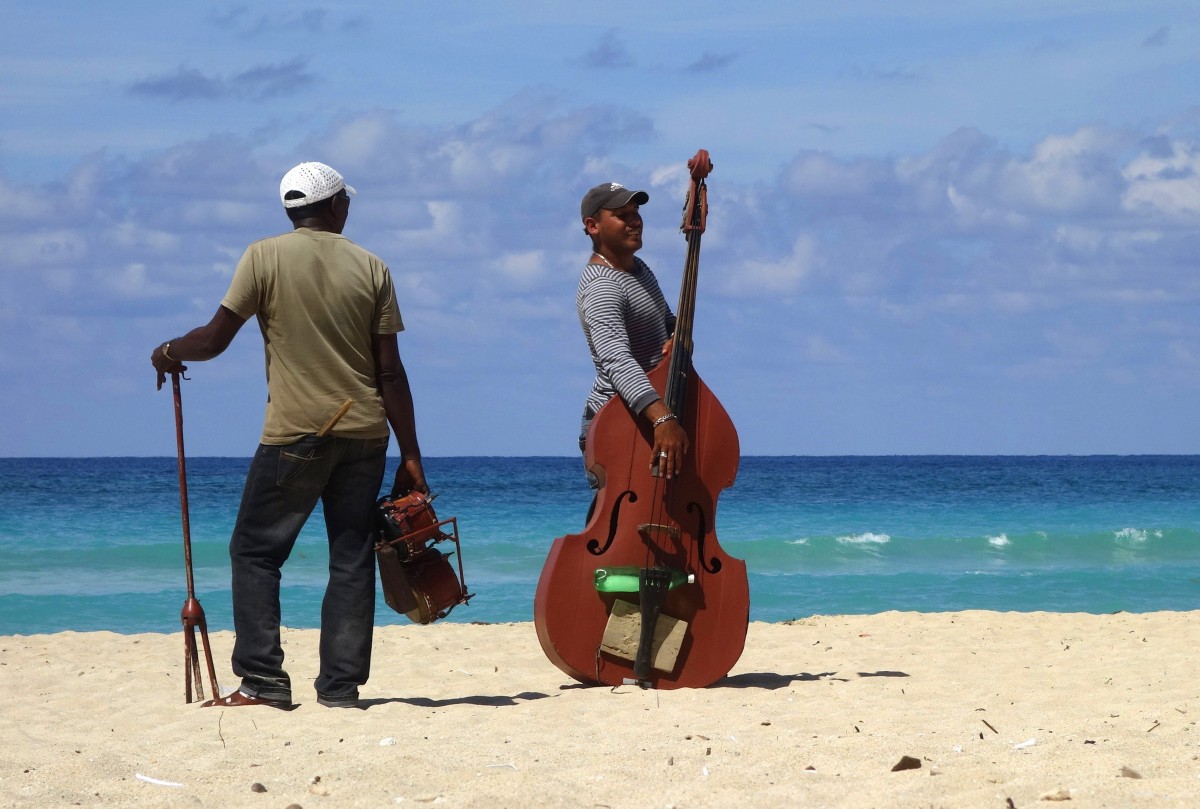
x=628 y=579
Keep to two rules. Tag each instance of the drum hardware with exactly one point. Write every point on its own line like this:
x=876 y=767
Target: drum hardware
x=417 y=578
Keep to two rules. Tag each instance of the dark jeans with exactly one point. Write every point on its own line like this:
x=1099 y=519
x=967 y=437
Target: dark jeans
x=282 y=488
x=584 y=426
x=593 y=481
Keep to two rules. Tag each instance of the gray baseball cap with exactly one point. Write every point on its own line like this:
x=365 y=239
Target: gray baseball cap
x=609 y=195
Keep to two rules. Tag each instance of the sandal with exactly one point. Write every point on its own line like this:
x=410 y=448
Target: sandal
x=240 y=698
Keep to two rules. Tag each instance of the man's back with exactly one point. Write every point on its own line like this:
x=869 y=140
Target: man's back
x=319 y=298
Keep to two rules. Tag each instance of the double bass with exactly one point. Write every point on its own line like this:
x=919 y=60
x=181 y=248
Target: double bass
x=645 y=594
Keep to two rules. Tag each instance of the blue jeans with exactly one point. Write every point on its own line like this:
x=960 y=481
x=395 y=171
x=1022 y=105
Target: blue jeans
x=282 y=488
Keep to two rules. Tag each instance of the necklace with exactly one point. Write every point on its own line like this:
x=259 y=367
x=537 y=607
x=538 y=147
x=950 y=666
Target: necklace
x=606 y=261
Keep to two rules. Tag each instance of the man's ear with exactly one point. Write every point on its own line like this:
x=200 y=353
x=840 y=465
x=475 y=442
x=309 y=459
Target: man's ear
x=590 y=226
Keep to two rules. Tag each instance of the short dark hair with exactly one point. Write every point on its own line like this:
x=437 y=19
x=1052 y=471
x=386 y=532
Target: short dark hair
x=318 y=208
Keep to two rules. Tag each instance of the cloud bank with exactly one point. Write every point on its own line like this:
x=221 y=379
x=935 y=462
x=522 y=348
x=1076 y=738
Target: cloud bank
x=946 y=280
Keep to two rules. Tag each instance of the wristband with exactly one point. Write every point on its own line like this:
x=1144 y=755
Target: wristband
x=661 y=420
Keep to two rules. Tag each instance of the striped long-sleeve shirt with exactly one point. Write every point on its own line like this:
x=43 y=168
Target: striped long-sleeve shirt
x=626 y=321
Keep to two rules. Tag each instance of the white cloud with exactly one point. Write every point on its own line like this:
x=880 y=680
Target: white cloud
x=783 y=275
x=132 y=236
x=445 y=230
x=822 y=175
x=1166 y=184
x=974 y=213
x=129 y=281
x=1066 y=173
x=818 y=348
x=524 y=268
x=360 y=140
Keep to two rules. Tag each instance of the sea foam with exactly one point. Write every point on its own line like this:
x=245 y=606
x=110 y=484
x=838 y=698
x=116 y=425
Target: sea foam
x=867 y=538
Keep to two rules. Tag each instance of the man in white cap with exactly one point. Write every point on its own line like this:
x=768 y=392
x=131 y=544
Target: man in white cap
x=625 y=319
x=328 y=315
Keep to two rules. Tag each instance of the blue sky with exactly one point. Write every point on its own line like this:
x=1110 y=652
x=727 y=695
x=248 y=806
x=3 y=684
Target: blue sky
x=934 y=227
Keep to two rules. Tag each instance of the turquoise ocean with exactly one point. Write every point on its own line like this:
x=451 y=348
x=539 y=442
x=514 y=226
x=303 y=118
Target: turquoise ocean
x=97 y=544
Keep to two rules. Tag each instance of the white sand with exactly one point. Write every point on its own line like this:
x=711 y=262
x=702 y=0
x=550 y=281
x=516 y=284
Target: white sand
x=1038 y=709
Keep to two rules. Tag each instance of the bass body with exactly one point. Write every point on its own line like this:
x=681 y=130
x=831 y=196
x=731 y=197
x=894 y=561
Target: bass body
x=642 y=521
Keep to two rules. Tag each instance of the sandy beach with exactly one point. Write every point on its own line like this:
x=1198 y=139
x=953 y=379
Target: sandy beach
x=990 y=710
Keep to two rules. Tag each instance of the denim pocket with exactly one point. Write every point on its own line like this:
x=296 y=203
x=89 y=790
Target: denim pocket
x=302 y=465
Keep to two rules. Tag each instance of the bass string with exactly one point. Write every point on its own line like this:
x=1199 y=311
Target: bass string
x=675 y=395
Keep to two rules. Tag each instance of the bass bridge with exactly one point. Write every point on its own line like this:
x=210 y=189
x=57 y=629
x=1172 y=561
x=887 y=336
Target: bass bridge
x=649 y=530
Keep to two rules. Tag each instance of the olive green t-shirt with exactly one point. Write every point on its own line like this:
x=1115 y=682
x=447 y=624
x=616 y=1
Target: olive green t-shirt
x=319 y=298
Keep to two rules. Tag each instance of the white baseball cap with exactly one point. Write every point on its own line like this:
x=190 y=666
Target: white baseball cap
x=314 y=181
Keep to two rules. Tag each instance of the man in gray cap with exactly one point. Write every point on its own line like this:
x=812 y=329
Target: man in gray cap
x=328 y=315
x=626 y=321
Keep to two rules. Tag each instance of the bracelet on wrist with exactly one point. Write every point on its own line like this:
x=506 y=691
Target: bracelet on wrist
x=663 y=419
x=166 y=352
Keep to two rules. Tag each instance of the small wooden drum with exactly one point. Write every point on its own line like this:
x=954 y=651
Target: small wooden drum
x=417 y=578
